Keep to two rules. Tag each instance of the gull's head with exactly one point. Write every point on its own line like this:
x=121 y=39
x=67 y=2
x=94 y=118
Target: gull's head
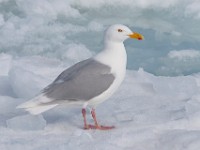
x=119 y=33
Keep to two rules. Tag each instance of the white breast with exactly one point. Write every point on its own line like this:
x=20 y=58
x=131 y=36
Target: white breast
x=115 y=57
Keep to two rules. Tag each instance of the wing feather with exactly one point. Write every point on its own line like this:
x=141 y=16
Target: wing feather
x=83 y=81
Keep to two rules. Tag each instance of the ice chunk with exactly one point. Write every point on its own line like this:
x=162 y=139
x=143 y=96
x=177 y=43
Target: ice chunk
x=27 y=122
x=42 y=66
x=184 y=54
x=25 y=84
x=77 y=52
x=5 y=64
x=5 y=87
x=7 y=104
x=139 y=83
x=1 y=20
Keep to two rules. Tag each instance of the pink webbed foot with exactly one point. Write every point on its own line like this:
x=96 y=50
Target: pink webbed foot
x=99 y=127
x=96 y=126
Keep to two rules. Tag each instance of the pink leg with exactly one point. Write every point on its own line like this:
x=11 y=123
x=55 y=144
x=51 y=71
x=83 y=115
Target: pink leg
x=97 y=126
x=94 y=117
x=84 y=119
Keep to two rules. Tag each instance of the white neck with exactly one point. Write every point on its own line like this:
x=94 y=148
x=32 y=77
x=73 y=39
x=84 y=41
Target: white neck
x=113 y=45
x=113 y=54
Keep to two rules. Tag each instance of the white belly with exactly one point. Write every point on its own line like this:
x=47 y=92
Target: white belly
x=117 y=60
x=109 y=92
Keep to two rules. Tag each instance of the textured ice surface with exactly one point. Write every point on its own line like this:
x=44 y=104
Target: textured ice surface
x=149 y=112
x=5 y=63
x=51 y=28
x=39 y=39
x=26 y=122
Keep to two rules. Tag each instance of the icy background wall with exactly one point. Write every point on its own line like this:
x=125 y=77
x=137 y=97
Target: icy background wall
x=51 y=28
x=41 y=38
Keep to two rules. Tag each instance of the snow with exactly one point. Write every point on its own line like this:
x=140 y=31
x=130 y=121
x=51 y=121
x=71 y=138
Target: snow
x=184 y=54
x=26 y=122
x=49 y=28
x=151 y=110
x=5 y=63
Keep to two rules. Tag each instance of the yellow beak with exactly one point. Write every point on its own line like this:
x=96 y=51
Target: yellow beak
x=136 y=36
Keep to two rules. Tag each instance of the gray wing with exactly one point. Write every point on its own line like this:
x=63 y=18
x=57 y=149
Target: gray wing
x=82 y=81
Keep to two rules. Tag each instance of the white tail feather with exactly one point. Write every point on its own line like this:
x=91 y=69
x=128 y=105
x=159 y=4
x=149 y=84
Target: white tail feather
x=37 y=105
x=40 y=109
x=28 y=104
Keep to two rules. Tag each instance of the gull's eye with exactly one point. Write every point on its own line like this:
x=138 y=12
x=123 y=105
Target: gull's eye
x=119 y=30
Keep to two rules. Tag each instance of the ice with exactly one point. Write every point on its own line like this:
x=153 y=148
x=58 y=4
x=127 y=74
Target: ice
x=76 y=53
x=142 y=86
x=193 y=9
x=7 y=104
x=40 y=70
x=49 y=28
x=5 y=64
x=7 y=108
x=5 y=87
x=146 y=109
x=28 y=80
x=156 y=108
x=180 y=140
x=26 y=122
x=184 y=54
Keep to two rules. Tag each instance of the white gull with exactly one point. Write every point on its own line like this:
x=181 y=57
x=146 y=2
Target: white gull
x=90 y=81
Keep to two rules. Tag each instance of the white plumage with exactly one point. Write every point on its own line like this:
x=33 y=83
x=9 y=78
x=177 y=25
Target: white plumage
x=104 y=73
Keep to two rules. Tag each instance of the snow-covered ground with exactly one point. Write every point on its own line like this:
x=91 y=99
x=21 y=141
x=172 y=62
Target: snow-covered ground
x=149 y=112
x=52 y=27
x=39 y=39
